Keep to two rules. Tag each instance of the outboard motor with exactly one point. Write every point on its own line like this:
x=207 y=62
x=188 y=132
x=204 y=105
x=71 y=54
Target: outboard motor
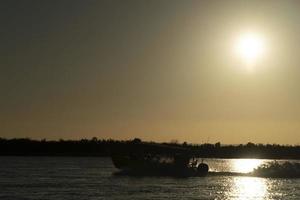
x=203 y=169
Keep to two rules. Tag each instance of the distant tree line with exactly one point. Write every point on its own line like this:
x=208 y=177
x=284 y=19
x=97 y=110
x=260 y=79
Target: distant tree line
x=101 y=147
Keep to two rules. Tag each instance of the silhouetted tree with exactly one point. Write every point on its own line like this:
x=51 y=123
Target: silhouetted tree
x=96 y=147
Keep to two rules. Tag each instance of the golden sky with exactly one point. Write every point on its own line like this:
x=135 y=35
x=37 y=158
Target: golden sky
x=157 y=70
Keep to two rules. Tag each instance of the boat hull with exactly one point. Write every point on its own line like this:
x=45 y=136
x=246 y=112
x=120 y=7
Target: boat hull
x=142 y=167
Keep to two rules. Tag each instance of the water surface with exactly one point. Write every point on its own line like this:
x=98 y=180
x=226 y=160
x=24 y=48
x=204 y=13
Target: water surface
x=64 y=178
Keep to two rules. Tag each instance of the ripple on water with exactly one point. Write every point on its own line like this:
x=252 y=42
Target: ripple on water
x=51 y=178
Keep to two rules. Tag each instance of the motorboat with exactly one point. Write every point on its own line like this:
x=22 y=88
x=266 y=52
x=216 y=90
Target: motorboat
x=144 y=159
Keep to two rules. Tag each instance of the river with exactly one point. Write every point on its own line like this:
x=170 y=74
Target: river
x=69 y=178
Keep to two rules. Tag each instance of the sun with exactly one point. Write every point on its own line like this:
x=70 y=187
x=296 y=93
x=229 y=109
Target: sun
x=250 y=47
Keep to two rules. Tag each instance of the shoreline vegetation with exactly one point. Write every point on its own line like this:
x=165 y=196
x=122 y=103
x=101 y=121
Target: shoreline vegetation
x=103 y=148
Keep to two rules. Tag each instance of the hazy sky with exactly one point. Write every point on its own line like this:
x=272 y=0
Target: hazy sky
x=158 y=70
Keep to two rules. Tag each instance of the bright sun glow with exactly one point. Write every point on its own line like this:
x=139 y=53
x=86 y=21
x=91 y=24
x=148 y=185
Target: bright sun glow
x=250 y=47
x=249 y=188
x=246 y=165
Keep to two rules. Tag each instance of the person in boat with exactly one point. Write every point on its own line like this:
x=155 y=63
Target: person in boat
x=158 y=159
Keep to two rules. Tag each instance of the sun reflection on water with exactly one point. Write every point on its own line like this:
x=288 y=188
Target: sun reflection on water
x=249 y=188
x=246 y=165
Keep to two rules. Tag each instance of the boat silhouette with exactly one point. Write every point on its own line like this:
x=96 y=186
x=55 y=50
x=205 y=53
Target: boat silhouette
x=144 y=159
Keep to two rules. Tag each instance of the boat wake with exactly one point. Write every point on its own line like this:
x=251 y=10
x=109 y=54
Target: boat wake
x=278 y=170
x=214 y=173
x=268 y=170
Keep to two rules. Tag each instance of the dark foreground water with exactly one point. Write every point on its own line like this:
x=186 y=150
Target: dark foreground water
x=63 y=178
